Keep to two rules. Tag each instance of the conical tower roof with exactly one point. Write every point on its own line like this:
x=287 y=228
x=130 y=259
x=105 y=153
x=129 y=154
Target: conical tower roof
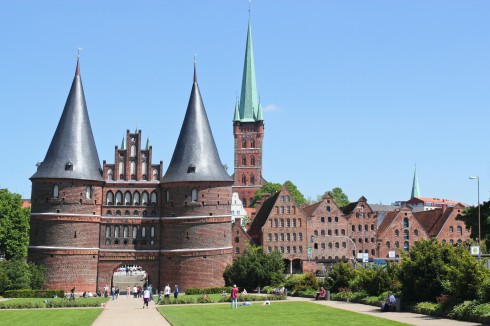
x=72 y=153
x=415 y=185
x=249 y=101
x=195 y=156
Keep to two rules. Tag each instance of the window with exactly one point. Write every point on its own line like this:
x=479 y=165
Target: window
x=294 y=236
x=353 y=228
x=451 y=241
x=275 y=222
x=288 y=249
x=294 y=222
x=252 y=161
x=288 y=222
x=69 y=166
x=300 y=236
x=294 y=249
x=244 y=160
x=322 y=219
x=56 y=191
x=388 y=244
x=281 y=210
x=322 y=246
x=116 y=231
x=136 y=198
x=153 y=198
x=372 y=227
x=244 y=179
x=244 y=202
x=328 y=208
x=288 y=199
x=88 y=192
x=329 y=219
x=125 y=231
x=276 y=238
x=252 y=143
x=282 y=222
x=132 y=168
x=244 y=143
x=337 y=245
x=121 y=170
x=329 y=232
x=451 y=229
x=282 y=249
x=460 y=230
x=397 y=244
x=282 y=236
x=315 y=233
x=330 y=245
x=269 y=249
x=405 y=235
x=143 y=231
x=342 y=232
x=127 y=198
x=108 y=231
x=135 y=232
x=288 y=237
x=315 y=246
x=152 y=232
x=405 y=222
x=397 y=233
x=336 y=218
x=359 y=227
x=252 y=179
x=288 y=209
x=155 y=175
x=144 y=169
x=110 y=174
x=406 y=246
x=133 y=150
x=194 y=195
x=416 y=232
x=344 y=245
x=269 y=236
x=322 y=232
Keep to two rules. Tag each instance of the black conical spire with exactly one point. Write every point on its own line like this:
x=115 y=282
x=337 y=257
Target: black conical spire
x=72 y=153
x=195 y=156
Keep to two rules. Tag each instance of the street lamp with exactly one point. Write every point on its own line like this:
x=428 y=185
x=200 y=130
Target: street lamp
x=479 y=227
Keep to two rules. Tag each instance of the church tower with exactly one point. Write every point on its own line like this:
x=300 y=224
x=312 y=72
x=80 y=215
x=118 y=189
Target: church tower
x=196 y=205
x=248 y=131
x=66 y=197
x=415 y=185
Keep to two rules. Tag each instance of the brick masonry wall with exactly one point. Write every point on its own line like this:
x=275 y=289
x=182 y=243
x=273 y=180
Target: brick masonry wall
x=240 y=239
x=107 y=267
x=450 y=229
x=45 y=232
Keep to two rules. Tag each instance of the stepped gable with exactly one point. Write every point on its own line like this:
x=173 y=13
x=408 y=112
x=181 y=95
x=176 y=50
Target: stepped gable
x=72 y=153
x=195 y=156
x=262 y=215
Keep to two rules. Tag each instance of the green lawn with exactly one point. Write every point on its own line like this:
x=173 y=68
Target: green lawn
x=49 y=317
x=278 y=313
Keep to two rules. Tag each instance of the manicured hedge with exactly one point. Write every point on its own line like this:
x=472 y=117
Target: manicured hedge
x=52 y=303
x=252 y=297
x=207 y=290
x=34 y=293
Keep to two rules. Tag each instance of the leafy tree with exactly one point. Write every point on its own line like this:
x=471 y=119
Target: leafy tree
x=267 y=188
x=470 y=219
x=295 y=193
x=376 y=280
x=255 y=268
x=18 y=273
x=432 y=269
x=339 y=197
x=340 y=276
x=37 y=273
x=14 y=225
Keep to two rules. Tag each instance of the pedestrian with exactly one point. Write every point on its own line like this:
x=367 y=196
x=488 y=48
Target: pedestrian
x=166 y=292
x=146 y=298
x=160 y=297
x=234 y=297
x=135 y=291
x=72 y=294
x=128 y=292
x=113 y=292
x=117 y=292
x=150 y=288
x=176 y=292
x=106 y=291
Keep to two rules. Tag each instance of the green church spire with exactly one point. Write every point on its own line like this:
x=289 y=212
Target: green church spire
x=415 y=185
x=237 y=110
x=147 y=143
x=249 y=103
x=123 y=143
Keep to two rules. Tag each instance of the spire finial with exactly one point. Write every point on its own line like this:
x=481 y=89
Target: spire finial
x=195 y=62
x=77 y=71
x=249 y=8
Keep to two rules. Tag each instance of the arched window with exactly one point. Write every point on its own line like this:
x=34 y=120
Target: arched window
x=323 y=246
x=110 y=198
x=294 y=222
x=244 y=179
x=315 y=233
x=244 y=160
x=153 y=198
x=405 y=222
x=252 y=179
x=244 y=202
x=275 y=222
x=135 y=232
x=133 y=150
x=88 y=192
x=110 y=174
x=108 y=231
x=252 y=143
x=56 y=191
x=337 y=245
x=125 y=231
x=143 y=231
x=329 y=219
x=136 y=198
x=451 y=241
x=132 y=167
x=336 y=218
x=329 y=232
x=152 y=232
x=460 y=230
x=144 y=169
x=282 y=222
x=406 y=246
x=116 y=231
x=155 y=175
x=194 y=195
x=252 y=161
x=109 y=212
x=416 y=232
x=127 y=198
x=397 y=233
x=451 y=229
x=344 y=245
x=397 y=244
x=405 y=235
x=269 y=236
x=121 y=170
x=322 y=232
x=388 y=244
x=144 y=198
x=244 y=143
x=342 y=231
x=288 y=199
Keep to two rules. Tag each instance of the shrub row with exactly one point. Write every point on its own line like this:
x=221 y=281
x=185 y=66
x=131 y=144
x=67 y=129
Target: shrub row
x=473 y=310
x=206 y=290
x=21 y=305
x=34 y=293
x=241 y=298
x=51 y=303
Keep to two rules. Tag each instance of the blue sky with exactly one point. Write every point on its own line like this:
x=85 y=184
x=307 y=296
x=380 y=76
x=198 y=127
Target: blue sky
x=355 y=93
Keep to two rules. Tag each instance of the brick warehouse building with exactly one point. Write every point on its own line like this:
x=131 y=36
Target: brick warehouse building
x=88 y=220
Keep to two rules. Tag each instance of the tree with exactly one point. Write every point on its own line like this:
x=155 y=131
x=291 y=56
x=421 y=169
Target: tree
x=14 y=225
x=267 y=188
x=432 y=269
x=295 y=193
x=255 y=268
x=470 y=219
x=340 y=276
x=339 y=197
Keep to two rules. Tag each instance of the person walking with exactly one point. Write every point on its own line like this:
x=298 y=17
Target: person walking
x=234 y=297
x=128 y=291
x=113 y=292
x=176 y=292
x=146 y=298
x=166 y=292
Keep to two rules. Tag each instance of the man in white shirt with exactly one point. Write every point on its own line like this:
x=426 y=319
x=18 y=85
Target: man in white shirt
x=166 y=292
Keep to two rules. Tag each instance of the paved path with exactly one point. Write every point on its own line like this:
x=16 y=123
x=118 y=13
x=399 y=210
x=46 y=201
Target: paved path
x=403 y=317
x=124 y=311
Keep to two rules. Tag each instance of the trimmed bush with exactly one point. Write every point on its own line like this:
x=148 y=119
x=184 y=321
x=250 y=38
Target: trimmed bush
x=251 y=297
x=182 y=300
x=204 y=299
x=191 y=291
x=21 y=305
x=34 y=293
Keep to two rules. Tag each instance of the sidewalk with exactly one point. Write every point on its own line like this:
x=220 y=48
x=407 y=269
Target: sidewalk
x=402 y=317
x=124 y=311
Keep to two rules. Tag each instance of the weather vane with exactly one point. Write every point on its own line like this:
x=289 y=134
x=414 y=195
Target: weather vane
x=249 y=9
x=78 y=52
x=195 y=55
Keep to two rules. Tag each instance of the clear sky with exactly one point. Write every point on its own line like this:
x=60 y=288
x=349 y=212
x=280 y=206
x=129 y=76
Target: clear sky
x=355 y=93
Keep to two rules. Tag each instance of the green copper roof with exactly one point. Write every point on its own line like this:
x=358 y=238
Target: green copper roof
x=237 y=111
x=147 y=143
x=249 y=102
x=123 y=144
x=415 y=185
x=259 y=116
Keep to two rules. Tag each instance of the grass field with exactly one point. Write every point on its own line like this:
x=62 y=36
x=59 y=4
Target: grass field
x=49 y=317
x=278 y=313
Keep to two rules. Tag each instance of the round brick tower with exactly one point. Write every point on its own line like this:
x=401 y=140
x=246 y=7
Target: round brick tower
x=66 y=197
x=196 y=204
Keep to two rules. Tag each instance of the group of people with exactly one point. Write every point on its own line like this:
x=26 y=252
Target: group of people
x=113 y=291
x=165 y=294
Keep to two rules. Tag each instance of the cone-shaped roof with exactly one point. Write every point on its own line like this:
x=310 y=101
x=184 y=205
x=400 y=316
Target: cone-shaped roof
x=249 y=102
x=415 y=185
x=195 y=156
x=236 y=117
x=72 y=153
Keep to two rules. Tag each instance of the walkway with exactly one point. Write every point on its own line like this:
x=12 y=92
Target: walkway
x=124 y=311
x=403 y=317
